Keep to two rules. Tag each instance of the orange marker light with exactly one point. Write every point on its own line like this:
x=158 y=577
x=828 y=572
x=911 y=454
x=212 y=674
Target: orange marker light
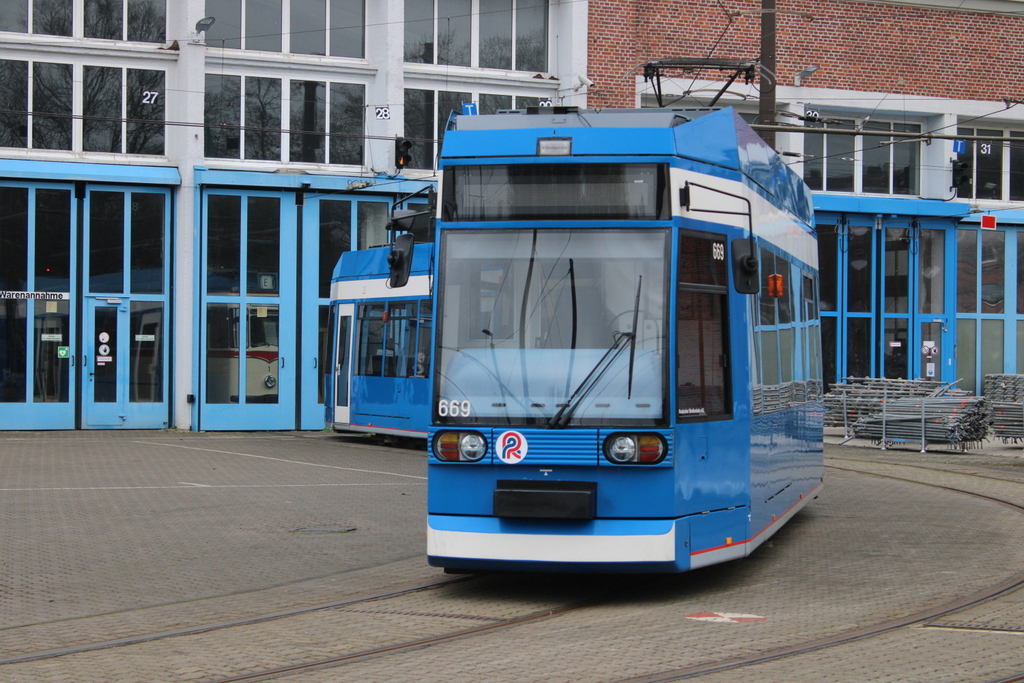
x=775 y=287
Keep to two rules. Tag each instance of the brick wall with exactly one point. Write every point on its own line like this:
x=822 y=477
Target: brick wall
x=859 y=46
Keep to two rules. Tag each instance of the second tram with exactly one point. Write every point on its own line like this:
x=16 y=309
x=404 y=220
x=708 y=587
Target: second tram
x=380 y=357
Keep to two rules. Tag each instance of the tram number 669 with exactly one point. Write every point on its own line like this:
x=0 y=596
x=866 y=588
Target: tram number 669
x=453 y=408
x=718 y=251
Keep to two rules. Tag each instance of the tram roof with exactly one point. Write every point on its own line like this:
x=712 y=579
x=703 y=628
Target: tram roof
x=718 y=137
x=371 y=264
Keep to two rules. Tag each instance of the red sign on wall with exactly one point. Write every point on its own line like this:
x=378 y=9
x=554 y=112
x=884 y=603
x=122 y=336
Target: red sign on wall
x=988 y=221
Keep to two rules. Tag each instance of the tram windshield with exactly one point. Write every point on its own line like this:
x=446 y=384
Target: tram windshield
x=552 y=327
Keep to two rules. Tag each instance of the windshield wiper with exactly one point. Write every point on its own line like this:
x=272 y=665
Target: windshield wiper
x=632 y=339
x=522 y=314
x=572 y=342
x=562 y=417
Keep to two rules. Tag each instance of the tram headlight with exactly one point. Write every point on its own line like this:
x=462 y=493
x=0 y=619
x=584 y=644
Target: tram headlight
x=471 y=446
x=460 y=446
x=621 y=449
x=627 y=449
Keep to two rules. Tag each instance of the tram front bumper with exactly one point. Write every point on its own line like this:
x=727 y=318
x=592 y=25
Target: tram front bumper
x=479 y=542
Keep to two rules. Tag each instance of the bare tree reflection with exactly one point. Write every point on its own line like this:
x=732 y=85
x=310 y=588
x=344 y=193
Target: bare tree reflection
x=101 y=109
x=223 y=116
x=51 y=94
x=52 y=17
x=147 y=21
x=104 y=19
x=347 y=102
x=14 y=16
x=496 y=51
x=263 y=118
x=308 y=124
x=13 y=103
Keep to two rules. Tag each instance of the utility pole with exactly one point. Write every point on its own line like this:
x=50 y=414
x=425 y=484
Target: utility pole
x=768 y=81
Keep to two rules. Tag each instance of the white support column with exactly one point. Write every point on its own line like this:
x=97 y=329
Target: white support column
x=936 y=167
x=568 y=51
x=385 y=38
x=185 y=89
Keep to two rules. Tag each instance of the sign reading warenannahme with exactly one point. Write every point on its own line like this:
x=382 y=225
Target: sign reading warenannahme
x=44 y=296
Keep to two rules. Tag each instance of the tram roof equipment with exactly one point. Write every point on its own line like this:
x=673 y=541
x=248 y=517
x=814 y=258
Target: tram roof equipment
x=716 y=137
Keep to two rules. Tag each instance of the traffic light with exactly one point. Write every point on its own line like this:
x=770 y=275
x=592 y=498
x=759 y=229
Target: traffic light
x=961 y=175
x=402 y=156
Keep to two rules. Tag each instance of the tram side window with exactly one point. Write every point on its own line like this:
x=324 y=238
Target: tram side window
x=426 y=326
x=394 y=339
x=767 y=331
x=371 y=340
x=400 y=346
x=812 y=337
x=702 y=388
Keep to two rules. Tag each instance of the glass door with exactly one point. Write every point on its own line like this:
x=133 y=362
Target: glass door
x=898 y=287
x=124 y=342
x=37 y=311
x=124 y=371
x=857 y=307
x=103 y=356
x=330 y=227
x=249 y=369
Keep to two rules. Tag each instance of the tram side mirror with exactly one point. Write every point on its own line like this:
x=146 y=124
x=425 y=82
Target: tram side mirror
x=403 y=220
x=744 y=266
x=400 y=260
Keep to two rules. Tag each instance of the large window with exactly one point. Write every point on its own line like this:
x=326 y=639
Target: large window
x=135 y=20
x=554 y=327
x=122 y=109
x=318 y=27
x=509 y=34
x=862 y=163
x=326 y=119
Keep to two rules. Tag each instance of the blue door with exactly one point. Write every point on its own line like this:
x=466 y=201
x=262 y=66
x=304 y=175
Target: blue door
x=124 y=378
x=330 y=226
x=248 y=315
x=103 y=356
x=38 y=263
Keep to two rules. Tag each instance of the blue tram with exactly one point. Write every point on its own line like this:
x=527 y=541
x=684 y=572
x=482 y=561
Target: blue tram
x=627 y=367
x=380 y=355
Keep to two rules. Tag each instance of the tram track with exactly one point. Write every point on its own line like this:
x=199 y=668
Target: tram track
x=233 y=623
x=489 y=628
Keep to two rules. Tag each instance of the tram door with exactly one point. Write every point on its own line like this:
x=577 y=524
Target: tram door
x=342 y=361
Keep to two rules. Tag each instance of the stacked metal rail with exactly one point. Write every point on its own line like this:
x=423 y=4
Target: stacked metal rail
x=1006 y=393
x=1008 y=388
x=961 y=421
x=857 y=397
